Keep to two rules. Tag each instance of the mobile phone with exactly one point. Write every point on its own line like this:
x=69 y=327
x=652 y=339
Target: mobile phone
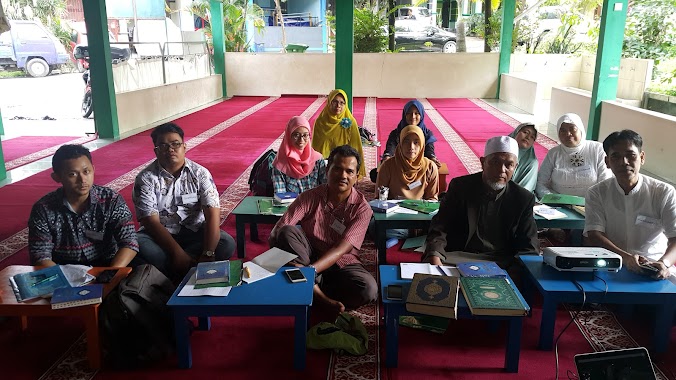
x=106 y=276
x=649 y=268
x=394 y=292
x=295 y=275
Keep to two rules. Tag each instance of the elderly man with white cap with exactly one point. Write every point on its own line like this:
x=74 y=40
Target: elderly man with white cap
x=485 y=216
x=573 y=166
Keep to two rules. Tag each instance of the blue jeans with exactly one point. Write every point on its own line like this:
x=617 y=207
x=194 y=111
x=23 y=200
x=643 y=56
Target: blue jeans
x=190 y=241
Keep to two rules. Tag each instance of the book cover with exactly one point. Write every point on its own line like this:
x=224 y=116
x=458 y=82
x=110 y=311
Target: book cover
x=286 y=197
x=211 y=272
x=40 y=283
x=481 y=269
x=267 y=207
x=426 y=207
x=383 y=206
x=77 y=296
x=562 y=199
x=492 y=296
x=433 y=295
x=234 y=280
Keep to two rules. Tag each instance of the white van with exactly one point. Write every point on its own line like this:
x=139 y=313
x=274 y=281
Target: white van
x=420 y=15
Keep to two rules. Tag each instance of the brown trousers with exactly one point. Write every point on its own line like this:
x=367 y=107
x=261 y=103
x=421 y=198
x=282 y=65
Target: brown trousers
x=352 y=284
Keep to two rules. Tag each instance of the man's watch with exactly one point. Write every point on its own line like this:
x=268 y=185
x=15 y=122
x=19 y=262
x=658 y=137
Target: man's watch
x=209 y=253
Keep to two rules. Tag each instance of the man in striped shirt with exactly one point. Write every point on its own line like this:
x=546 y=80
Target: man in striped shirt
x=333 y=218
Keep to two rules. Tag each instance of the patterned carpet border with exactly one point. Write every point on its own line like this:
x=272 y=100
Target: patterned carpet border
x=15 y=163
x=19 y=240
x=367 y=366
x=72 y=365
x=468 y=158
x=604 y=332
x=542 y=139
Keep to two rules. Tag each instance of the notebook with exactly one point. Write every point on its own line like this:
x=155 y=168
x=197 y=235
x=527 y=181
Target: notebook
x=632 y=363
x=77 y=296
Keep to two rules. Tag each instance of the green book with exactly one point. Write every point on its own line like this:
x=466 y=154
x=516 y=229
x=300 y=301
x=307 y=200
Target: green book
x=268 y=207
x=562 y=199
x=235 y=277
x=492 y=296
x=426 y=207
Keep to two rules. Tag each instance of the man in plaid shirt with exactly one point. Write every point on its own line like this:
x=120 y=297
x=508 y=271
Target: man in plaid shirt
x=333 y=218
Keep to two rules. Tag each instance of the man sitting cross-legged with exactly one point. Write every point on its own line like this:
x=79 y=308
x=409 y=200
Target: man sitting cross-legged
x=631 y=214
x=333 y=220
x=80 y=223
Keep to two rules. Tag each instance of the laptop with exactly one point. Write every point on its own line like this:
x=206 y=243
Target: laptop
x=629 y=364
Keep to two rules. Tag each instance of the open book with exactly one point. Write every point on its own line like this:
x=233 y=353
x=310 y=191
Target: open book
x=409 y=269
x=265 y=265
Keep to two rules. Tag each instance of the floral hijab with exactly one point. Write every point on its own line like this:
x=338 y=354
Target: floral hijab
x=331 y=131
x=291 y=161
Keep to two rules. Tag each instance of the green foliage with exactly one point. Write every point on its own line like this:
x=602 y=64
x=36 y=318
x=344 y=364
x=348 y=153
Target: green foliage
x=475 y=24
x=12 y=74
x=665 y=77
x=235 y=15
x=650 y=30
x=49 y=12
x=563 y=41
x=369 y=30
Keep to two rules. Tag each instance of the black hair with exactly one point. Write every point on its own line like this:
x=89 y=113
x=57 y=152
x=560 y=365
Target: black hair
x=623 y=135
x=528 y=125
x=68 y=152
x=345 y=151
x=164 y=129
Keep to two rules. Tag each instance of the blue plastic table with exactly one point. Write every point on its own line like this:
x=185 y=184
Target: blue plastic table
x=273 y=296
x=389 y=274
x=624 y=288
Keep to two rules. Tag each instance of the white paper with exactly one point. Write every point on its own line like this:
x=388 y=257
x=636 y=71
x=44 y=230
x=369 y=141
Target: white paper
x=190 y=291
x=273 y=259
x=256 y=272
x=421 y=249
x=547 y=212
x=409 y=269
x=404 y=210
x=77 y=274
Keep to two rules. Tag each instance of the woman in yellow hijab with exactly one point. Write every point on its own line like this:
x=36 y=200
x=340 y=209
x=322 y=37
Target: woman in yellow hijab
x=336 y=126
x=410 y=175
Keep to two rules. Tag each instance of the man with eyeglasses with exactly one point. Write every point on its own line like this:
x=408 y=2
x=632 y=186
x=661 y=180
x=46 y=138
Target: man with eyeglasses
x=333 y=219
x=80 y=222
x=485 y=215
x=177 y=204
x=631 y=214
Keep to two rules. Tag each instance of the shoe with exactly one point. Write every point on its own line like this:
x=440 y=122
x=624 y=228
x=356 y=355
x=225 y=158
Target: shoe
x=391 y=242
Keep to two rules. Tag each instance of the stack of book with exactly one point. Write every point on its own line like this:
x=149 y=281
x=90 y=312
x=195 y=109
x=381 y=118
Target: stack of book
x=433 y=295
x=285 y=198
x=383 y=207
x=489 y=291
x=218 y=274
x=426 y=207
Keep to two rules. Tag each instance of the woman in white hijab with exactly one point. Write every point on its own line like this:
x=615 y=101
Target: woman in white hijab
x=575 y=165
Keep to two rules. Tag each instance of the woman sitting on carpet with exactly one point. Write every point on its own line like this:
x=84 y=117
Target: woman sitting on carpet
x=413 y=114
x=409 y=175
x=526 y=173
x=575 y=165
x=336 y=126
x=297 y=167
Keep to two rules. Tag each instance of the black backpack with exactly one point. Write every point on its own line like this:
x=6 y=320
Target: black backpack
x=136 y=324
x=260 y=179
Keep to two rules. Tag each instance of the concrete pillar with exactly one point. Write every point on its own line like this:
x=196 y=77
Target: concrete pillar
x=218 y=36
x=344 y=47
x=509 y=8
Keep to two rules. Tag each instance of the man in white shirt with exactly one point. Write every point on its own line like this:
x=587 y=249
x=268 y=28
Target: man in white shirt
x=632 y=215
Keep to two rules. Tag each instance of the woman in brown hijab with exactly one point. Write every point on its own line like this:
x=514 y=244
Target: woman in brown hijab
x=409 y=175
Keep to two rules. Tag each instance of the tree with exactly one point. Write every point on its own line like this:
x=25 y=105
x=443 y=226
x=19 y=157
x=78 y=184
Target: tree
x=650 y=30
x=49 y=12
x=235 y=15
x=369 y=30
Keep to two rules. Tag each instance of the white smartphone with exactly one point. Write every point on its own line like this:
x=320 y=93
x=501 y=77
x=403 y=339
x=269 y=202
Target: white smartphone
x=295 y=275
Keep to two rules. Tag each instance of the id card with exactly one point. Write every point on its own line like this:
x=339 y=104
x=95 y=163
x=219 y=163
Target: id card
x=338 y=226
x=415 y=184
x=647 y=221
x=189 y=198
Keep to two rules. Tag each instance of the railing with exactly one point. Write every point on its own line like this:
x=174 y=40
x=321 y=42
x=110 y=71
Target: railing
x=145 y=55
x=290 y=19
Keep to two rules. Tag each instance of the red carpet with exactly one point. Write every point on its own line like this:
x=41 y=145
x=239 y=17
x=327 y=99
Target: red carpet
x=26 y=149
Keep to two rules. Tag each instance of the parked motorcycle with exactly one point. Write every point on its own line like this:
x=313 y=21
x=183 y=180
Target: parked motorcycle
x=82 y=52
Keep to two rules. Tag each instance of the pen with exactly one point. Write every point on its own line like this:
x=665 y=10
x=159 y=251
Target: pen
x=46 y=279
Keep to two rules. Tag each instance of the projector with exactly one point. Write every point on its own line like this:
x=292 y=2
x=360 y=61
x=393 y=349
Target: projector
x=582 y=259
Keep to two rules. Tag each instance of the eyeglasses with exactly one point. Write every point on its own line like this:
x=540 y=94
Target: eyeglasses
x=337 y=103
x=298 y=136
x=165 y=147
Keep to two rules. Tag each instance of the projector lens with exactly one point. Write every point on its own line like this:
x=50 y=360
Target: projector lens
x=601 y=263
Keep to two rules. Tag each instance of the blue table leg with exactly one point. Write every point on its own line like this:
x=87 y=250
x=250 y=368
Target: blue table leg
x=392 y=337
x=663 y=324
x=513 y=345
x=240 y=231
x=547 y=323
x=183 y=349
x=300 y=336
x=380 y=243
x=204 y=323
